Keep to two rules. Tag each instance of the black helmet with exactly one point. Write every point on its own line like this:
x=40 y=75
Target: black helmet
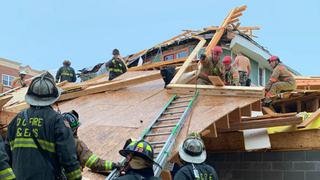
x=42 y=91
x=115 y=52
x=73 y=118
x=141 y=149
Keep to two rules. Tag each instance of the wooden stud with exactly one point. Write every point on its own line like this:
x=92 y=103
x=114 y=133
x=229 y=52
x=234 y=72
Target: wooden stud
x=236 y=15
x=233 y=21
x=223 y=122
x=267 y=110
x=246 y=110
x=298 y=106
x=256 y=106
x=4 y=100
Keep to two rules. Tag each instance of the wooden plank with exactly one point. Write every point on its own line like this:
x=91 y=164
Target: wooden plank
x=6 y=117
x=233 y=21
x=217 y=91
x=188 y=61
x=156 y=64
x=276 y=115
x=4 y=100
x=282 y=121
x=309 y=120
x=246 y=110
x=111 y=86
x=236 y=15
x=216 y=80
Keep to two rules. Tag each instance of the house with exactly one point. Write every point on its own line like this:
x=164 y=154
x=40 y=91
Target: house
x=9 y=70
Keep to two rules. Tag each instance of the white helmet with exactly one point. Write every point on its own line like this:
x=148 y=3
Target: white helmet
x=23 y=72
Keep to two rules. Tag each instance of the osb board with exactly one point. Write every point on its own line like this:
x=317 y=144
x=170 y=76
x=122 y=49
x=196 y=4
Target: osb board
x=125 y=108
x=18 y=96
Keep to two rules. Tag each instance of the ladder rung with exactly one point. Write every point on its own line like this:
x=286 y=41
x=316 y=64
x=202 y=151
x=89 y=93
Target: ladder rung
x=173 y=112
x=163 y=126
x=186 y=96
x=157 y=142
x=158 y=146
x=182 y=101
x=175 y=107
x=168 y=119
x=159 y=134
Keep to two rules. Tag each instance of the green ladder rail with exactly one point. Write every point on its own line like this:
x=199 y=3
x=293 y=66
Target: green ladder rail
x=166 y=127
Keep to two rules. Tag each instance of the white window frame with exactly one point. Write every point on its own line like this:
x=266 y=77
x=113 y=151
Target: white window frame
x=263 y=74
x=8 y=76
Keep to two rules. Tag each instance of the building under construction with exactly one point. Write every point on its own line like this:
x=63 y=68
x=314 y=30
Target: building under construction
x=243 y=139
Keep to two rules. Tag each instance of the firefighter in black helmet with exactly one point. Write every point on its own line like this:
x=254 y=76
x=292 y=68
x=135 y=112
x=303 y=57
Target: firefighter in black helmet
x=116 y=65
x=40 y=140
x=66 y=73
x=139 y=155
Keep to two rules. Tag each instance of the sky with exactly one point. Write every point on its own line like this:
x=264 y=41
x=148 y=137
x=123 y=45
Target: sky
x=42 y=33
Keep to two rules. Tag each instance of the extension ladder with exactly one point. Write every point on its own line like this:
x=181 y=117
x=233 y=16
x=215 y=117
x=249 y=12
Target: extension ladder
x=163 y=131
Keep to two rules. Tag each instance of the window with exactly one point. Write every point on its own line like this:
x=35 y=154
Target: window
x=168 y=57
x=261 y=77
x=7 y=79
x=182 y=54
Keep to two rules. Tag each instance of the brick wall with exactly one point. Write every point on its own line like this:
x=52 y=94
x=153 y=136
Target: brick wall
x=297 y=165
x=11 y=72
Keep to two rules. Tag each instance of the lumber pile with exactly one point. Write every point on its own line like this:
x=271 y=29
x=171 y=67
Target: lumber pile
x=75 y=90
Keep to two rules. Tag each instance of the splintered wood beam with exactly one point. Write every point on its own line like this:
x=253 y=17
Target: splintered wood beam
x=233 y=21
x=240 y=9
x=268 y=116
x=273 y=122
x=236 y=15
x=309 y=120
x=188 y=61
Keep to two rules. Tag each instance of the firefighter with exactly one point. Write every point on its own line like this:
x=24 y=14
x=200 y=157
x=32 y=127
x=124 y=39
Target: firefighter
x=116 y=65
x=280 y=80
x=192 y=155
x=66 y=73
x=84 y=154
x=40 y=140
x=210 y=66
x=230 y=74
x=20 y=81
x=6 y=172
x=139 y=156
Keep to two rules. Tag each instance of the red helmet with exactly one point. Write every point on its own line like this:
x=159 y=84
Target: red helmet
x=216 y=49
x=273 y=58
x=226 y=60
